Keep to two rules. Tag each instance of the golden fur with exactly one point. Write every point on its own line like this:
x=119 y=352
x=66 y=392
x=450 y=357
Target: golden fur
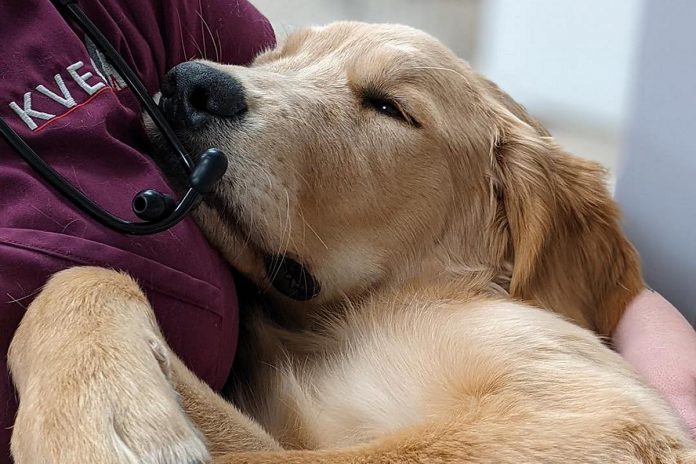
x=433 y=236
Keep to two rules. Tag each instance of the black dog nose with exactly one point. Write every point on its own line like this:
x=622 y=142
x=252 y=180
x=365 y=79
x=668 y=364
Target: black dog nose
x=193 y=93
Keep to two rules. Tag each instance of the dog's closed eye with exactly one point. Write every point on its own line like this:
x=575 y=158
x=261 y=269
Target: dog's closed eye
x=387 y=107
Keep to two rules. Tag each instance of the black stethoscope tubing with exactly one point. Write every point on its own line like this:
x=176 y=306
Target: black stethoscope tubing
x=158 y=210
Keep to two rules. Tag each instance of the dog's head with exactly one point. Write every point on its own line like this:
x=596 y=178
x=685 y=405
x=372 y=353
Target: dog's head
x=364 y=155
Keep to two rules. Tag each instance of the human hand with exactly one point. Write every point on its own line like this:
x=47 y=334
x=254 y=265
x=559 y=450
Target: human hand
x=660 y=344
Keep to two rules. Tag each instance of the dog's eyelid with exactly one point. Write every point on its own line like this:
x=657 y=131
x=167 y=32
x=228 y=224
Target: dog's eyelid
x=376 y=98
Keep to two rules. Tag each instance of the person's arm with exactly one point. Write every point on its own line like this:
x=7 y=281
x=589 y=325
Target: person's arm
x=659 y=342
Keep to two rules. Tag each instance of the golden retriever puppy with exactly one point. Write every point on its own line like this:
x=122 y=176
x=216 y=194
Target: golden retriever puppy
x=407 y=219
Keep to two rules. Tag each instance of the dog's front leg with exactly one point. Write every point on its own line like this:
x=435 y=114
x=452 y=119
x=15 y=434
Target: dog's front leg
x=94 y=378
x=226 y=429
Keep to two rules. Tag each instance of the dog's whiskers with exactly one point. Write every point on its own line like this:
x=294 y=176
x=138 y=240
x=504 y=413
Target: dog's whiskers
x=181 y=36
x=210 y=33
x=286 y=238
x=219 y=47
x=200 y=9
x=309 y=126
x=261 y=170
x=247 y=230
x=304 y=220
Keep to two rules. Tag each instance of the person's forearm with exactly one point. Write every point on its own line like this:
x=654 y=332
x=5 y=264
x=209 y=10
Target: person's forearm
x=660 y=343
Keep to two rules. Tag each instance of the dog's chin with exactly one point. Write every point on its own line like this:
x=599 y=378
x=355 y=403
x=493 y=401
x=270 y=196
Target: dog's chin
x=237 y=242
x=215 y=216
x=244 y=250
x=224 y=230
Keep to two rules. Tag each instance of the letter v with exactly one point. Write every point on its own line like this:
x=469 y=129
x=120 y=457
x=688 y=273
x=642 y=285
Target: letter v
x=66 y=100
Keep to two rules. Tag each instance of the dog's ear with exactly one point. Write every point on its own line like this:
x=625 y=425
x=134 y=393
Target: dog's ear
x=559 y=225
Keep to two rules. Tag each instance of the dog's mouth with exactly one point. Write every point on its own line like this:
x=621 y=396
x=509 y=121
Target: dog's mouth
x=289 y=276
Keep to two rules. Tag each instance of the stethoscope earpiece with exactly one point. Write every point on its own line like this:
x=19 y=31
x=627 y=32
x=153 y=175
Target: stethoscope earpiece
x=151 y=205
x=209 y=169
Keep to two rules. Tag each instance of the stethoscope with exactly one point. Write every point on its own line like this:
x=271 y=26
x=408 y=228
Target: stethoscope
x=157 y=210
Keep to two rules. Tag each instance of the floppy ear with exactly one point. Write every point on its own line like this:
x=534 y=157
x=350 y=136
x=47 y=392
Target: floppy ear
x=562 y=227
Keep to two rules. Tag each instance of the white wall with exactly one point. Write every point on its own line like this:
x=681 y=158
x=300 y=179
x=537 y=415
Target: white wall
x=563 y=59
x=657 y=178
x=455 y=22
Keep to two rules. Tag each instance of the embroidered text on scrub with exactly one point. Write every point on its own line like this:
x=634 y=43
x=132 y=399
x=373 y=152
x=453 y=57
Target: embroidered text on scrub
x=27 y=112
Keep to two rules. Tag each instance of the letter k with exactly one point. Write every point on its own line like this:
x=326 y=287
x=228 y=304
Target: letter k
x=28 y=113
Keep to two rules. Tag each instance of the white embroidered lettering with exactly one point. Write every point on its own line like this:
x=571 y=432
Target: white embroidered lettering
x=96 y=69
x=81 y=79
x=66 y=100
x=28 y=113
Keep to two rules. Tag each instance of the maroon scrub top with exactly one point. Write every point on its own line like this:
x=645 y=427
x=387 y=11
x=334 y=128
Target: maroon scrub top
x=67 y=102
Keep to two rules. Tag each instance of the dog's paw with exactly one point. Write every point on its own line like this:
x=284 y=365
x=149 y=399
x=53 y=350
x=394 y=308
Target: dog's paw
x=94 y=378
x=138 y=423
x=51 y=439
x=109 y=417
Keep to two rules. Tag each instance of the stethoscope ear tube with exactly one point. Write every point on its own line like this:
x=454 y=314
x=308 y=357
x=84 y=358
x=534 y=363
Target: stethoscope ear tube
x=158 y=211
